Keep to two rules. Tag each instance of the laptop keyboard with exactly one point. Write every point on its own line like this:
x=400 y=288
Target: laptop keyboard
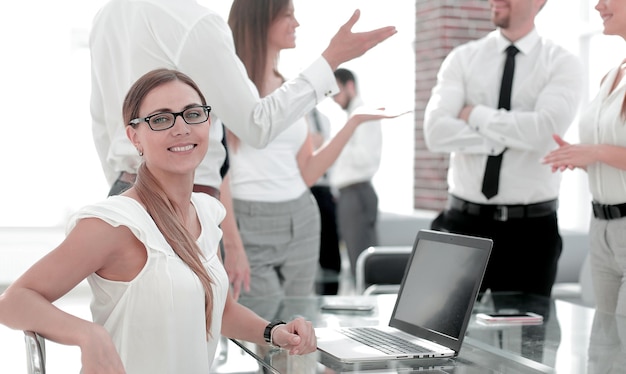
x=382 y=341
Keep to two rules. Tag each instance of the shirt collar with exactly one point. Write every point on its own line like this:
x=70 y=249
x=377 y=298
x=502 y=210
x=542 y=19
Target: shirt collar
x=524 y=44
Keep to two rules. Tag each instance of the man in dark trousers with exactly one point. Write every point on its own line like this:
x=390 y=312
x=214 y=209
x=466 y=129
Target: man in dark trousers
x=357 y=205
x=495 y=106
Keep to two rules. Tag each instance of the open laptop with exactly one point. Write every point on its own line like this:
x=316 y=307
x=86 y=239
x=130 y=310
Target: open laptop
x=434 y=303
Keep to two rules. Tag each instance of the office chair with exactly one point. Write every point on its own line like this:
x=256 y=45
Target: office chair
x=35 y=353
x=381 y=269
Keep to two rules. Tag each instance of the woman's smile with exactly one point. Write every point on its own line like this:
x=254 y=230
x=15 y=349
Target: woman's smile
x=182 y=148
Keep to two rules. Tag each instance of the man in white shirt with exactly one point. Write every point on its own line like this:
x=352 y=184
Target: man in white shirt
x=462 y=118
x=357 y=204
x=129 y=38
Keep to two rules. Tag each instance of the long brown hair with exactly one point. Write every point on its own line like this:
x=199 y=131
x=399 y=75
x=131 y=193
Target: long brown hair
x=250 y=21
x=163 y=211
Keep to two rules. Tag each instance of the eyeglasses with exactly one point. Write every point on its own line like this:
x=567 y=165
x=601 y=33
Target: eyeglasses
x=163 y=121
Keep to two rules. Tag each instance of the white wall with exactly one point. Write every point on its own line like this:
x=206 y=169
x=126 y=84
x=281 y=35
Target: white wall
x=48 y=162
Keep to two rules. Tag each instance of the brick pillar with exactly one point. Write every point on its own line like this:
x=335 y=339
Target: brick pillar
x=440 y=25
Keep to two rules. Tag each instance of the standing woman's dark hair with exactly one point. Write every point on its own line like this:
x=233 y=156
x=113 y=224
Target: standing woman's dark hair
x=162 y=210
x=250 y=21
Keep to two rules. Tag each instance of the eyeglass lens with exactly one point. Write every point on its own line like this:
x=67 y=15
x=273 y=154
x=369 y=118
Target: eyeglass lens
x=191 y=116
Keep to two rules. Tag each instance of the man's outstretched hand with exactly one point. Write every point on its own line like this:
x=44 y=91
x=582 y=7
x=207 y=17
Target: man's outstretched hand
x=347 y=45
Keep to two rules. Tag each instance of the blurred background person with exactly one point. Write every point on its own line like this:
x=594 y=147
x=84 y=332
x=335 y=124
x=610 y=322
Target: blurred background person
x=496 y=102
x=357 y=204
x=602 y=153
x=277 y=216
x=330 y=257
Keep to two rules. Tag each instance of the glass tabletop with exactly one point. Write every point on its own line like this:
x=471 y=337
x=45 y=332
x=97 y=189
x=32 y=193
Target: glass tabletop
x=572 y=339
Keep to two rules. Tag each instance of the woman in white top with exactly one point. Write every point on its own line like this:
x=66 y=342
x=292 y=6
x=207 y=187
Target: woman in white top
x=150 y=255
x=602 y=153
x=276 y=214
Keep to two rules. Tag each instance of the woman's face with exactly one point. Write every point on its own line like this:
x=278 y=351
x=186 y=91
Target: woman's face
x=613 y=14
x=179 y=149
x=282 y=31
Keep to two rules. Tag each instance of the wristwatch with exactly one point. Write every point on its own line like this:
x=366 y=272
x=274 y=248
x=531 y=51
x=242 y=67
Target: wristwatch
x=267 y=334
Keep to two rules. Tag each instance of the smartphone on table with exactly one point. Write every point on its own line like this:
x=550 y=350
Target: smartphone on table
x=499 y=318
x=347 y=307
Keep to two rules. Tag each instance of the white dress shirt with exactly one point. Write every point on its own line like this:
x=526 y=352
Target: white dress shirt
x=360 y=158
x=130 y=38
x=547 y=87
x=601 y=123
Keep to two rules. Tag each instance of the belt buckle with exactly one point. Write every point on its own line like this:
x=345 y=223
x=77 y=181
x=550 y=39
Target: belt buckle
x=612 y=212
x=598 y=210
x=501 y=213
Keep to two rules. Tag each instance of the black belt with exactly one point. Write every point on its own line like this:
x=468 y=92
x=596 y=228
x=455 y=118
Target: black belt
x=601 y=211
x=503 y=212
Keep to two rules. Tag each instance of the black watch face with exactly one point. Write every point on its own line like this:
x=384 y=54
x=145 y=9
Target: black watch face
x=267 y=334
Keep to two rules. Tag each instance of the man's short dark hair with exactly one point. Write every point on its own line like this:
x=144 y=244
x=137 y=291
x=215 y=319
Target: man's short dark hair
x=344 y=76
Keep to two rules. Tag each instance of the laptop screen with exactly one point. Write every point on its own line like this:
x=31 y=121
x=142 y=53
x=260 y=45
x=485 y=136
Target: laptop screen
x=440 y=286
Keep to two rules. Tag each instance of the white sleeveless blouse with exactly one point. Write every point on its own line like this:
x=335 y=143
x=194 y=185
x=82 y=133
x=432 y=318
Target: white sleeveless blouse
x=157 y=320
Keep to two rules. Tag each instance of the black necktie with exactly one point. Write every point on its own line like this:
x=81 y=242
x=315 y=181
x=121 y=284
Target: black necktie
x=492 y=169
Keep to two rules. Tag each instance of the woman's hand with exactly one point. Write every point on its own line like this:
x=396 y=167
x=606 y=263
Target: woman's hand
x=98 y=354
x=297 y=336
x=570 y=156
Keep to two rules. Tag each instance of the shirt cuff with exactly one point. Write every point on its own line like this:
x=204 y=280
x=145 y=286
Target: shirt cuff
x=322 y=78
x=480 y=116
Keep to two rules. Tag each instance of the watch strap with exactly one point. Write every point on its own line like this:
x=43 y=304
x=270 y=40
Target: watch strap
x=267 y=333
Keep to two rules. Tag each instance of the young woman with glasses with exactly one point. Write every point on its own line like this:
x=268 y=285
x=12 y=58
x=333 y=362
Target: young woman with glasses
x=150 y=255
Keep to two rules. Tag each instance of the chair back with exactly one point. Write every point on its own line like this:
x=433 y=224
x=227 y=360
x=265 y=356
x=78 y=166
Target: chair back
x=35 y=353
x=381 y=269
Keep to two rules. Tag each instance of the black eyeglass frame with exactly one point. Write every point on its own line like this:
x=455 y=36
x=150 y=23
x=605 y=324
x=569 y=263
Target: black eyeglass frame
x=136 y=121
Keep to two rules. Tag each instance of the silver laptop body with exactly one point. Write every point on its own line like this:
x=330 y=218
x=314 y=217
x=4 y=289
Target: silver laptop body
x=434 y=303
